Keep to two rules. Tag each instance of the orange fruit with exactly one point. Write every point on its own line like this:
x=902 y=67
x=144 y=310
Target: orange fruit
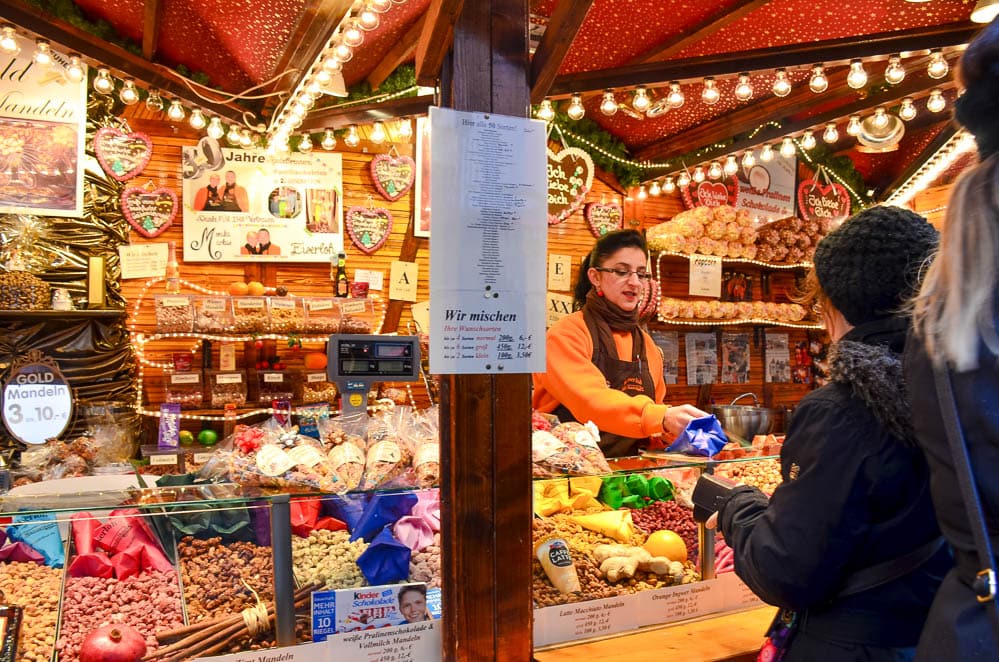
x=315 y=361
x=666 y=543
x=255 y=288
x=238 y=288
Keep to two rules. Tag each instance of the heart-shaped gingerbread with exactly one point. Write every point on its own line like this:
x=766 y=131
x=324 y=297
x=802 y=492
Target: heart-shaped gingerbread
x=818 y=202
x=393 y=175
x=368 y=227
x=711 y=194
x=149 y=212
x=570 y=176
x=603 y=218
x=122 y=155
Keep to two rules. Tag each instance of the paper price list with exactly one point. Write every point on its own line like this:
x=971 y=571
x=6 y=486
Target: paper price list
x=593 y=619
x=486 y=347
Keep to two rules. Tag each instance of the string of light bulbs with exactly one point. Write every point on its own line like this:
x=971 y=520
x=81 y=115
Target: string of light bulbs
x=959 y=144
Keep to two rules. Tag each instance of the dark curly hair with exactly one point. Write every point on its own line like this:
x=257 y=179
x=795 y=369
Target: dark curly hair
x=606 y=246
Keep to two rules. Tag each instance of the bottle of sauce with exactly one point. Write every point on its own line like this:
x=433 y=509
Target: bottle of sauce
x=341 y=286
x=172 y=270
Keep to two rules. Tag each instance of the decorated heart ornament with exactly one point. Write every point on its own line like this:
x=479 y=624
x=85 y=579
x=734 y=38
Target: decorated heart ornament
x=711 y=194
x=570 y=177
x=393 y=174
x=818 y=202
x=369 y=227
x=122 y=155
x=603 y=218
x=150 y=212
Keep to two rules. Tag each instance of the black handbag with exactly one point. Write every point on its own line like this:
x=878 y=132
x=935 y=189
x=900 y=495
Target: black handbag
x=985 y=581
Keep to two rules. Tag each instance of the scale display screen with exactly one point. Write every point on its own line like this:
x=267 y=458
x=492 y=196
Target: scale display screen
x=377 y=358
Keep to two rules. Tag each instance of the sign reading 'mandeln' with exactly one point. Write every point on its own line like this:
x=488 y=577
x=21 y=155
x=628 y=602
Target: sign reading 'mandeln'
x=43 y=117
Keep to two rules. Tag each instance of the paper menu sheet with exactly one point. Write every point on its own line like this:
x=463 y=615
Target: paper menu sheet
x=488 y=251
x=702 y=358
x=778 y=358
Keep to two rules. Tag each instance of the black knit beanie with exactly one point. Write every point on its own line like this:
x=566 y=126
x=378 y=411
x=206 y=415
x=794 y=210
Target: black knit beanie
x=977 y=109
x=869 y=266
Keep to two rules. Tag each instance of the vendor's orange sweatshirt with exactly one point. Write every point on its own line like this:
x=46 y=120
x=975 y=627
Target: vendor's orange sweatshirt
x=571 y=379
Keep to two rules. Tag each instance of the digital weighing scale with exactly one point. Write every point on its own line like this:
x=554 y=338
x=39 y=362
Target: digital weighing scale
x=356 y=361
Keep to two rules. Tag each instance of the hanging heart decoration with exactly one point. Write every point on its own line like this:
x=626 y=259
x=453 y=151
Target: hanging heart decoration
x=122 y=155
x=570 y=177
x=150 y=212
x=393 y=174
x=818 y=202
x=369 y=227
x=603 y=218
x=711 y=194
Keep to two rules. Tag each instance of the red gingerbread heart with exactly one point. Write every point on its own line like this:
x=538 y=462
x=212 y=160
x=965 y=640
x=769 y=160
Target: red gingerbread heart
x=122 y=155
x=818 y=202
x=149 y=212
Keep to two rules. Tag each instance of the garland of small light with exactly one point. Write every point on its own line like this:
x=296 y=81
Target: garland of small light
x=376 y=98
x=738 y=321
x=758 y=263
x=380 y=405
x=610 y=155
x=960 y=143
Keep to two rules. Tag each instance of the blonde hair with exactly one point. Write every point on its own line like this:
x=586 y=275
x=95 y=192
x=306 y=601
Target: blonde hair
x=954 y=310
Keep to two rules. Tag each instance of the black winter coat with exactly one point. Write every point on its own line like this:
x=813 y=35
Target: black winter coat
x=958 y=627
x=855 y=494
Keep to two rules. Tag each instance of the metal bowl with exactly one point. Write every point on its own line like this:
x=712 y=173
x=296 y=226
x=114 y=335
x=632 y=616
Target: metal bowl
x=743 y=422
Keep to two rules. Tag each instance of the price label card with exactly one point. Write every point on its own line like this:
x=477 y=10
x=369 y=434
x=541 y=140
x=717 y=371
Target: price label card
x=353 y=306
x=737 y=594
x=185 y=378
x=321 y=304
x=201 y=458
x=559 y=272
x=143 y=260
x=162 y=460
x=678 y=603
x=595 y=618
x=300 y=653
x=413 y=642
x=403 y=279
x=705 y=275
x=323 y=614
x=314 y=377
x=277 y=302
x=273 y=377
x=214 y=305
x=230 y=378
x=245 y=303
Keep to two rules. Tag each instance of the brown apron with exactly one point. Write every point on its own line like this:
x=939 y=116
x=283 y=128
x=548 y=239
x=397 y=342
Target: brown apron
x=631 y=377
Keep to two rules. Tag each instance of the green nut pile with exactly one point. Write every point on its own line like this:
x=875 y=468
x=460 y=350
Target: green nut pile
x=327 y=558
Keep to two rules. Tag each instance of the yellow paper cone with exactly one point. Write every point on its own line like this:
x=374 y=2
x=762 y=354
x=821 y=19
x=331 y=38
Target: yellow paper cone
x=614 y=524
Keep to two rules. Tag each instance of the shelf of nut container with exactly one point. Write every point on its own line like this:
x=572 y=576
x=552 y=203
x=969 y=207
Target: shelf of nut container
x=734 y=261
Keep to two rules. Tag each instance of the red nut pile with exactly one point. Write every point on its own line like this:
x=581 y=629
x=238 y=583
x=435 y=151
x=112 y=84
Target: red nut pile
x=669 y=515
x=425 y=565
x=148 y=602
x=36 y=588
x=214 y=576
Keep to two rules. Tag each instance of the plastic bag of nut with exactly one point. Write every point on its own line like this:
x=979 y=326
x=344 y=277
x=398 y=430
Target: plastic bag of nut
x=388 y=462
x=20 y=290
x=344 y=439
x=250 y=314
x=419 y=431
x=174 y=314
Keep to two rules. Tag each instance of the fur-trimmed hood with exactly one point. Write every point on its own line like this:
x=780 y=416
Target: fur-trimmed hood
x=874 y=375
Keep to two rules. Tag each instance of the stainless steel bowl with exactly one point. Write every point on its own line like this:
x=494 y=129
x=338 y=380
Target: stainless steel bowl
x=743 y=422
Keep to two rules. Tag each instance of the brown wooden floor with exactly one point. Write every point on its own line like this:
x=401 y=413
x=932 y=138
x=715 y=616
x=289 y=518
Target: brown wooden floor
x=729 y=638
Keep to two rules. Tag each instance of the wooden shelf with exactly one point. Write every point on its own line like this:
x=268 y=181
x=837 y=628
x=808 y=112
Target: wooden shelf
x=753 y=321
x=71 y=315
x=743 y=262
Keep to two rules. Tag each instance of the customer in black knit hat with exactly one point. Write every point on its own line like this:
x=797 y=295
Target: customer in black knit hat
x=868 y=267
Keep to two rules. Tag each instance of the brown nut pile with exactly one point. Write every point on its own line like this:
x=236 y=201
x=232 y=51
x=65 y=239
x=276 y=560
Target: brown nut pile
x=672 y=516
x=351 y=324
x=284 y=320
x=148 y=602
x=20 y=290
x=425 y=565
x=764 y=474
x=318 y=392
x=214 y=576
x=327 y=558
x=174 y=318
x=224 y=394
x=590 y=581
x=35 y=588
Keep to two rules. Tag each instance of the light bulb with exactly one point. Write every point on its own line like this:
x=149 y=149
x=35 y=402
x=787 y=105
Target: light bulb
x=405 y=128
x=907 y=110
x=232 y=136
x=710 y=93
x=102 y=81
x=894 y=72
x=245 y=139
x=74 y=71
x=380 y=6
x=378 y=133
x=715 y=170
x=197 y=119
x=675 y=97
x=576 y=110
x=8 y=40
x=880 y=119
x=782 y=85
x=128 y=93
x=641 y=101
x=293 y=122
x=767 y=154
x=368 y=19
x=329 y=140
x=315 y=86
x=546 y=112
x=353 y=36
x=808 y=140
x=323 y=77
x=608 y=105
x=352 y=139
x=731 y=166
x=43 y=53
x=342 y=51
x=936 y=103
x=853 y=127
x=937 y=67
x=669 y=185
x=698 y=175
x=857 y=77
x=154 y=101
x=642 y=193
x=831 y=134
x=744 y=88
x=683 y=181
x=215 y=129
x=818 y=83
x=283 y=147
x=176 y=111
x=748 y=160
x=307 y=99
x=787 y=148
x=655 y=189
x=305 y=144
x=332 y=64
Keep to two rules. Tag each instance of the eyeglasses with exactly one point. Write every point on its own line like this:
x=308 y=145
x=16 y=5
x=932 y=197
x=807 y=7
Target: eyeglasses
x=624 y=274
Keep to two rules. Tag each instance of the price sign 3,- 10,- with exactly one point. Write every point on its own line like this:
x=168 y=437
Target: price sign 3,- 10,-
x=37 y=399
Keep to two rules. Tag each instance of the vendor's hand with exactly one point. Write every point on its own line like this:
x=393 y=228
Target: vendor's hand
x=677 y=418
x=712 y=522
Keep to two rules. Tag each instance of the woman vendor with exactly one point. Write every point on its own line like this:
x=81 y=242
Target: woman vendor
x=601 y=366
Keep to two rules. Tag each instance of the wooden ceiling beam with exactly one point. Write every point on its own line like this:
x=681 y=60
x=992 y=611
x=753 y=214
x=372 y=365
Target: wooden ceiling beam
x=435 y=41
x=948 y=131
x=403 y=51
x=701 y=31
x=831 y=51
x=337 y=118
x=150 y=28
x=123 y=63
x=563 y=26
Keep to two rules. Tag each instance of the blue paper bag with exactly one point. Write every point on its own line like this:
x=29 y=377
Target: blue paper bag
x=702 y=436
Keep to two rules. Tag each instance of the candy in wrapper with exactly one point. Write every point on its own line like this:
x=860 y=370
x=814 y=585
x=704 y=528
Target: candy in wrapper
x=702 y=436
x=129 y=562
x=42 y=534
x=83 y=526
x=553 y=554
x=385 y=561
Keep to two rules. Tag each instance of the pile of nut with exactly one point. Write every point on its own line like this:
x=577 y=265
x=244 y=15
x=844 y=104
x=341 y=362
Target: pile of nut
x=327 y=558
x=425 y=565
x=672 y=516
x=36 y=588
x=764 y=474
x=351 y=324
x=284 y=320
x=319 y=392
x=174 y=315
x=20 y=290
x=218 y=577
x=228 y=393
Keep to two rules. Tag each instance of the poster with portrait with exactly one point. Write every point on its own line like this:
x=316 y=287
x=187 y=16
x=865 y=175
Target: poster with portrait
x=702 y=358
x=421 y=195
x=248 y=206
x=766 y=189
x=735 y=358
x=778 y=358
x=43 y=119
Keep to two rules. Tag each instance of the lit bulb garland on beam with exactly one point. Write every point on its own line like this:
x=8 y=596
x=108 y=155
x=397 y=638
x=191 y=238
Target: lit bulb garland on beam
x=960 y=143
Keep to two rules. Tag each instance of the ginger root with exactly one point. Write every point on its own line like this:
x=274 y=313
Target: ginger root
x=623 y=561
